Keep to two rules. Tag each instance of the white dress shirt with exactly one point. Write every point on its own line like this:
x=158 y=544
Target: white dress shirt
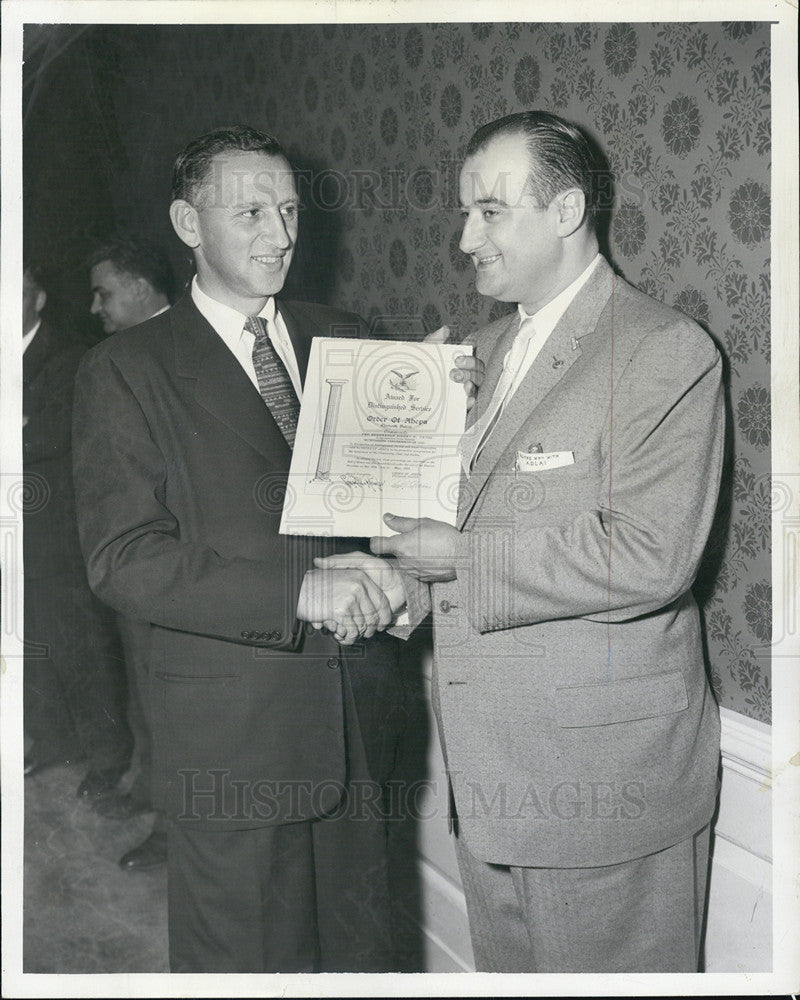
x=28 y=337
x=545 y=320
x=532 y=335
x=229 y=324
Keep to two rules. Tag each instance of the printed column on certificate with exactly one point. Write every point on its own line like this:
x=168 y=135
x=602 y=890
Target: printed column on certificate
x=378 y=433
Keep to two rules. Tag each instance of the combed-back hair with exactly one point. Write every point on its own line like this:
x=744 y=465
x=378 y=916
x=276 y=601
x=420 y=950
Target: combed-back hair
x=561 y=156
x=190 y=173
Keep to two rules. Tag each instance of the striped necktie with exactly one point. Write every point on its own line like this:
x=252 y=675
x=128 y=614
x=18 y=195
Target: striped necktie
x=274 y=381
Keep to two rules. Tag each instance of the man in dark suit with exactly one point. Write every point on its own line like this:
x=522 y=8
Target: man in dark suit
x=73 y=690
x=131 y=281
x=579 y=728
x=180 y=470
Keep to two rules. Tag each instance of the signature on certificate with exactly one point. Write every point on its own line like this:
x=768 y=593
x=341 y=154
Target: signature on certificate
x=366 y=482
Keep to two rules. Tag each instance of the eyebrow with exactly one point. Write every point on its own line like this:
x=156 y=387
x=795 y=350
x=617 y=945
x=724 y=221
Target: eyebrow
x=486 y=201
x=259 y=202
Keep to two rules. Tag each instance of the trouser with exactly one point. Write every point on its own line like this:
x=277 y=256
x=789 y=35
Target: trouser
x=135 y=635
x=644 y=915
x=74 y=684
x=298 y=897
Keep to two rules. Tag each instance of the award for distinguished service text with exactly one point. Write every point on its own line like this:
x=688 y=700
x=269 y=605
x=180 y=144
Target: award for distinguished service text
x=378 y=433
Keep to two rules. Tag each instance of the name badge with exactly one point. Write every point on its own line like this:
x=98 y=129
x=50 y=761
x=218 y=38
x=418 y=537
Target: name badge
x=537 y=461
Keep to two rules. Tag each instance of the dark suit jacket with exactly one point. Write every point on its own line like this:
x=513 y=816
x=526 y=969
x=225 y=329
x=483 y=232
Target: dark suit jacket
x=50 y=533
x=180 y=472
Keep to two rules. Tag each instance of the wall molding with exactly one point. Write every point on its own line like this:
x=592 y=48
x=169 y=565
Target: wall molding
x=746 y=745
x=744 y=818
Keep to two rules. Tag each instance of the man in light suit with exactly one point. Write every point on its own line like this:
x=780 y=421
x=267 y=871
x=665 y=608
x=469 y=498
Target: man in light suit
x=180 y=470
x=580 y=734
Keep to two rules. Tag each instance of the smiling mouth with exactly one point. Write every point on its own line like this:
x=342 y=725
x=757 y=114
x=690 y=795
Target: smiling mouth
x=268 y=261
x=485 y=261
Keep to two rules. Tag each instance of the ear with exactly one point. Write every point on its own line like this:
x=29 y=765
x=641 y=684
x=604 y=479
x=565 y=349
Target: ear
x=185 y=222
x=41 y=300
x=571 y=207
x=143 y=289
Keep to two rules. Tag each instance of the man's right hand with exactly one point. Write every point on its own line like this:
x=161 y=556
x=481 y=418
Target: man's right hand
x=382 y=572
x=346 y=601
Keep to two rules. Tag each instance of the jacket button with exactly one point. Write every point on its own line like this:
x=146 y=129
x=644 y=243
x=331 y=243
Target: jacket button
x=446 y=606
x=333 y=662
x=246 y=635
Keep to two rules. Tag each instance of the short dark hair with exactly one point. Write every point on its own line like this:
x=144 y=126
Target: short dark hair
x=192 y=165
x=40 y=275
x=138 y=256
x=561 y=155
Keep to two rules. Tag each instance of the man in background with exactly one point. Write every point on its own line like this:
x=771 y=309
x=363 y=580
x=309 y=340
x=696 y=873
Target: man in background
x=131 y=281
x=73 y=690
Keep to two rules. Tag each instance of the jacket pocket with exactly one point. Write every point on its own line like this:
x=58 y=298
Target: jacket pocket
x=624 y=700
x=182 y=656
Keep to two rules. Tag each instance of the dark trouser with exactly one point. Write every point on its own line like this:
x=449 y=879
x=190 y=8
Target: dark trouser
x=135 y=637
x=242 y=901
x=299 y=897
x=74 y=684
x=644 y=915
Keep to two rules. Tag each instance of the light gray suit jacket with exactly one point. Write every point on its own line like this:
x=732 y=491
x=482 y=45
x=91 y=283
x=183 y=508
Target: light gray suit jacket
x=575 y=715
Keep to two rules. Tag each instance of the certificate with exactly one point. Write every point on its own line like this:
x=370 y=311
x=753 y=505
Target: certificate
x=378 y=433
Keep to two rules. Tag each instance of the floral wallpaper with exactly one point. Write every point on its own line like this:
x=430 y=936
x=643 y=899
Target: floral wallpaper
x=377 y=117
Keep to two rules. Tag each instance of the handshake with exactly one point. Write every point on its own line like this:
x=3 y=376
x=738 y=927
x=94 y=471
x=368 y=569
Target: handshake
x=354 y=595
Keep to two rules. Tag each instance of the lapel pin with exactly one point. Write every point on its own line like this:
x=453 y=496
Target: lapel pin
x=535 y=449
x=557 y=362
x=575 y=342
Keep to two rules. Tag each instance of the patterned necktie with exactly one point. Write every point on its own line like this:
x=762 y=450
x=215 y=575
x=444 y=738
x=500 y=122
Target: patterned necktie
x=473 y=440
x=274 y=381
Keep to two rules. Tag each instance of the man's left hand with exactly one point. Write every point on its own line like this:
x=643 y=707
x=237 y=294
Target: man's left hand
x=425 y=549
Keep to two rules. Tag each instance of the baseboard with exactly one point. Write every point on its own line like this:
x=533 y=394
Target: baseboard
x=739 y=927
x=746 y=745
x=447 y=947
x=739 y=930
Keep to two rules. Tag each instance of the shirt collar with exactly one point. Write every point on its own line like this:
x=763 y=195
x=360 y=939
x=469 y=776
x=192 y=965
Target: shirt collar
x=227 y=321
x=28 y=337
x=545 y=319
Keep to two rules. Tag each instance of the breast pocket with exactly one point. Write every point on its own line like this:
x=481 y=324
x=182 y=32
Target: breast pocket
x=553 y=494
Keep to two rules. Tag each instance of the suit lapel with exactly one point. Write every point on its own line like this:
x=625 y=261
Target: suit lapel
x=34 y=358
x=494 y=368
x=560 y=352
x=300 y=341
x=222 y=388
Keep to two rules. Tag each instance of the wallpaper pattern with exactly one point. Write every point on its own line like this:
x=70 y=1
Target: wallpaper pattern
x=378 y=116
